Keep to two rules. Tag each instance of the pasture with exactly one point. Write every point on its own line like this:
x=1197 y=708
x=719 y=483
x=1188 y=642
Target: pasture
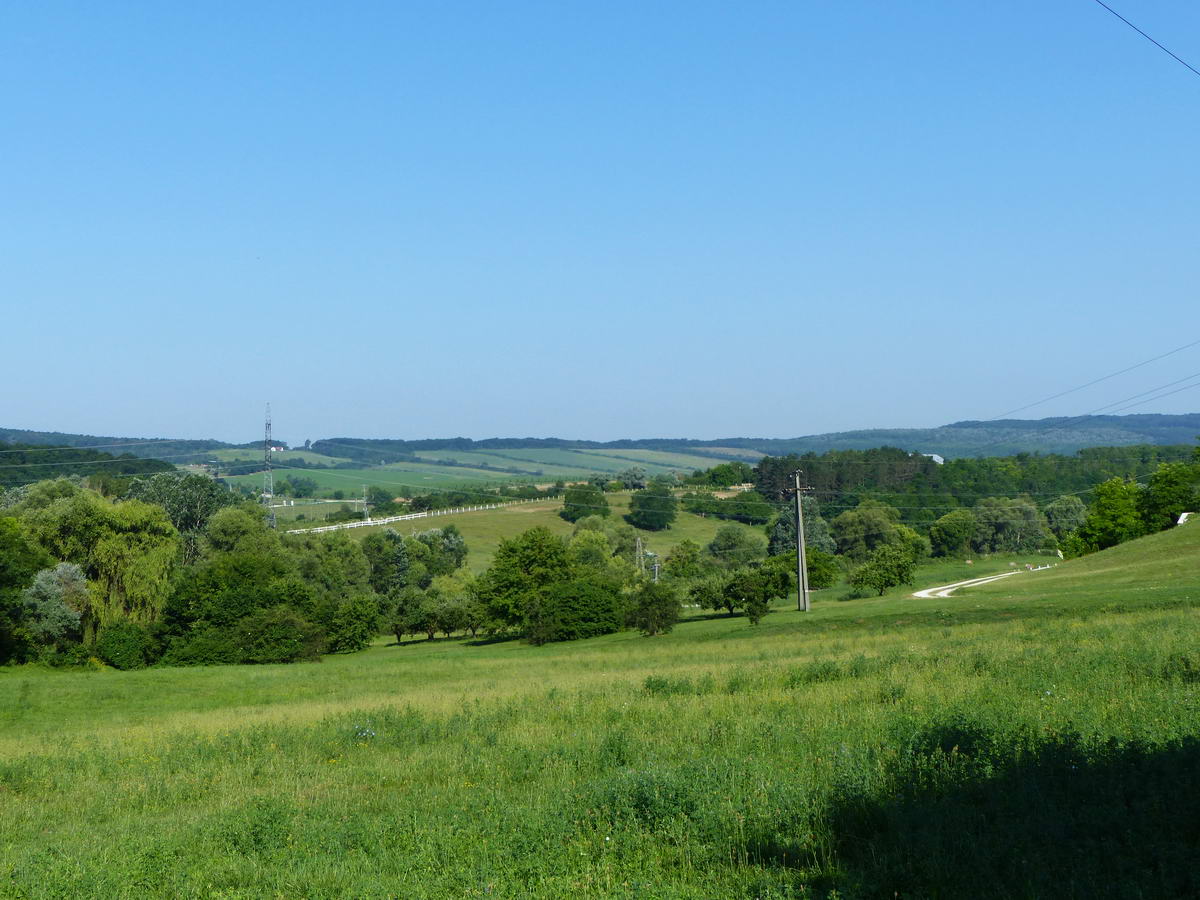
x=1035 y=737
x=484 y=529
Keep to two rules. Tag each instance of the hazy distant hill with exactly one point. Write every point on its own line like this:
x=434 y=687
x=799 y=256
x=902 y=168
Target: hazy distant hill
x=176 y=450
x=996 y=438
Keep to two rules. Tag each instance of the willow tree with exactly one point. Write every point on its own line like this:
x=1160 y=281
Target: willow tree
x=127 y=551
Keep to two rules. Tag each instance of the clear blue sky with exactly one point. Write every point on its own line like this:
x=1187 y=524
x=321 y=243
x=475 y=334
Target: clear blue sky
x=591 y=220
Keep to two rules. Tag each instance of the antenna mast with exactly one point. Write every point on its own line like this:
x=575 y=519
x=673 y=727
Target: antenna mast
x=268 y=476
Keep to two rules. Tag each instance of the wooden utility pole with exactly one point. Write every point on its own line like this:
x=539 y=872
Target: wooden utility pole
x=802 y=603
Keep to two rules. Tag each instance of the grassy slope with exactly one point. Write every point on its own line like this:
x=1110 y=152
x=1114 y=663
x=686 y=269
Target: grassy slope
x=719 y=760
x=483 y=530
x=282 y=456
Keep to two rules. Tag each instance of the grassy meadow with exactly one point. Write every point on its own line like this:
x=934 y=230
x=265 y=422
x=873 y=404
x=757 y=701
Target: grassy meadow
x=1036 y=737
x=484 y=529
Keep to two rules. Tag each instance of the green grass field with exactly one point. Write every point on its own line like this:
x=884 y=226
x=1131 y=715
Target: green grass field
x=1037 y=737
x=281 y=456
x=484 y=529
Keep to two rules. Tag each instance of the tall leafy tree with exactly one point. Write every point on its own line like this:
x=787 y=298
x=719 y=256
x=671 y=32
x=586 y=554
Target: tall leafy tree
x=189 y=500
x=388 y=558
x=1171 y=490
x=952 y=534
x=888 y=566
x=581 y=500
x=20 y=560
x=521 y=567
x=1065 y=514
x=735 y=545
x=128 y=552
x=862 y=530
x=1113 y=516
x=653 y=508
x=781 y=536
x=1008 y=525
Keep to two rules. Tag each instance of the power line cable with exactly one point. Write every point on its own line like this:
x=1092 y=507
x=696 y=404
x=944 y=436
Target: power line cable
x=1145 y=362
x=1186 y=65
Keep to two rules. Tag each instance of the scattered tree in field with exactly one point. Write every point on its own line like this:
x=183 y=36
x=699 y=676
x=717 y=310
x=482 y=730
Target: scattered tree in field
x=632 y=479
x=127 y=550
x=782 y=533
x=581 y=500
x=824 y=569
x=653 y=508
x=734 y=545
x=621 y=537
x=655 y=608
x=684 y=560
x=380 y=500
x=20 y=560
x=708 y=593
x=755 y=608
x=862 y=530
x=887 y=566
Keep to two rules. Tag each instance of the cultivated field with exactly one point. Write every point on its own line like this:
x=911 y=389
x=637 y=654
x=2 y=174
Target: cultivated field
x=432 y=473
x=1036 y=737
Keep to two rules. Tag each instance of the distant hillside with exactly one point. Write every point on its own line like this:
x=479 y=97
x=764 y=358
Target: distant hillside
x=999 y=438
x=996 y=438
x=24 y=464
x=177 y=450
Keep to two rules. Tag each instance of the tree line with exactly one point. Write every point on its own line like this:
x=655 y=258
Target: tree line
x=180 y=571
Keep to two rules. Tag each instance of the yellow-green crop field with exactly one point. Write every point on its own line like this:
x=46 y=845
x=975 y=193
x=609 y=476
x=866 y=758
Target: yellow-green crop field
x=1035 y=737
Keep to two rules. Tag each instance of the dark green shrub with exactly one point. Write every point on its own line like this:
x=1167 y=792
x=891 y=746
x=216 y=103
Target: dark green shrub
x=208 y=647
x=824 y=571
x=355 y=623
x=755 y=608
x=278 y=635
x=655 y=609
x=572 y=610
x=126 y=645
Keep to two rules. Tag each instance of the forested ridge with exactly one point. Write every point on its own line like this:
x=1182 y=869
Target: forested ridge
x=25 y=463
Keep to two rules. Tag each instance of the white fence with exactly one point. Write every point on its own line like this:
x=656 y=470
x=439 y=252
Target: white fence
x=407 y=516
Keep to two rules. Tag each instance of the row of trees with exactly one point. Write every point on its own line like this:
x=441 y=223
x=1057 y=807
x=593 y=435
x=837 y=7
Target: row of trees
x=183 y=572
x=920 y=485
x=1121 y=509
x=652 y=508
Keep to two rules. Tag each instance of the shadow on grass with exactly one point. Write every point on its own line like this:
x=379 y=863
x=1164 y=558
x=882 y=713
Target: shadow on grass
x=973 y=816
x=421 y=641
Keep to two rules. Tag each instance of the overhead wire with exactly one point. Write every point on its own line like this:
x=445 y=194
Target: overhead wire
x=1177 y=59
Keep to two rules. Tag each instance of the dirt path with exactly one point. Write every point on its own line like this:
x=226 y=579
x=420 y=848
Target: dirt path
x=947 y=589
